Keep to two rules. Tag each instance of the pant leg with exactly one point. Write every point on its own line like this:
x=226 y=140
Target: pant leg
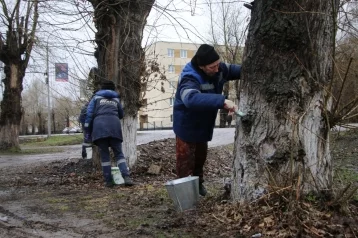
x=185 y=155
x=84 y=152
x=200 y=159
x=103 y=145
x=116 y=146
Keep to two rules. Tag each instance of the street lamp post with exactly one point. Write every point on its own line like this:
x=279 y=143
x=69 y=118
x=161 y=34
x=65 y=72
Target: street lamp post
x=48 y=95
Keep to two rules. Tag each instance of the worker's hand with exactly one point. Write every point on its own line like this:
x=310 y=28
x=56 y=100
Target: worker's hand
x=230 y=105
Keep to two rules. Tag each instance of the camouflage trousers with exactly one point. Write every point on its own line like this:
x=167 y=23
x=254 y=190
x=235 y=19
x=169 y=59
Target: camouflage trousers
x=191 y=158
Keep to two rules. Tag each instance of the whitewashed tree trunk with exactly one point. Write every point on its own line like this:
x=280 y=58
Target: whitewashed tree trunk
x=120 y=58
x=284 y=140
x=129 y=129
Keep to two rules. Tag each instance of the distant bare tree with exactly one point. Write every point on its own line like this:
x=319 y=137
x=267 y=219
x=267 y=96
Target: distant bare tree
x=343 y=89
x=153 y=78
x=65 y=109
x=228 y=27
x=34 y=105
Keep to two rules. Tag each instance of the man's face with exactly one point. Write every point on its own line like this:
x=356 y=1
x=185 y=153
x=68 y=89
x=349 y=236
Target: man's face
x=211 y=69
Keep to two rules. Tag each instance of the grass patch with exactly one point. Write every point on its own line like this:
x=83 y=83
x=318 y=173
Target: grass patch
x=230 y=147
x=57 y=140
x=56 y=200
x=99 y=215
x=347 y=175
x=58 y=203
x=63 y=208
x=26 y=151
x=95 y=204
x=135 y=222
x=162 y=194
x=117 y=196
x=344 y=176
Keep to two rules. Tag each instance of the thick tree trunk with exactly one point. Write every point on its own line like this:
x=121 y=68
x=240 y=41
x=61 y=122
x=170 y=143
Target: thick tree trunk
x=284 y=139
x=129 y=128
x=120 y=57
x=15 y=52
x=11 y=110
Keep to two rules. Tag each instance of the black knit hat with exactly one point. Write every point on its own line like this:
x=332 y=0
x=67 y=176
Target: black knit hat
x=206 y=54
x=108 y=84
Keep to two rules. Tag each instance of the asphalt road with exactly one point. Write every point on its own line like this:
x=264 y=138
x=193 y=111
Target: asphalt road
x=222 y=136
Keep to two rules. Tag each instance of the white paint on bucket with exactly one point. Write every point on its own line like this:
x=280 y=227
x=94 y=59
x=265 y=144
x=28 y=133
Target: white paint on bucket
x=89 y=152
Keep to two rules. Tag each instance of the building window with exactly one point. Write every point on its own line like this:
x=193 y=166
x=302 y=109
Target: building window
x=171 y=53
x=171 y=101
x=183 y=54
x=172 y=84
x=171 y=118
x=143 y=118
x=171 y=68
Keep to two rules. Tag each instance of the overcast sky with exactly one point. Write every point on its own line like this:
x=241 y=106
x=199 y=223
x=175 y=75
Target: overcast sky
x=169 y=20
x=177 y=21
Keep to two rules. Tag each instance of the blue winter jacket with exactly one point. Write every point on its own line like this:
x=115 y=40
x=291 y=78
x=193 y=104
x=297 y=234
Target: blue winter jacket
x=197 y=100
x=103 y=115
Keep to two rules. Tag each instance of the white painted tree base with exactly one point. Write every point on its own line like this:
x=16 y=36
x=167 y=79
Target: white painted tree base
x=129 y=130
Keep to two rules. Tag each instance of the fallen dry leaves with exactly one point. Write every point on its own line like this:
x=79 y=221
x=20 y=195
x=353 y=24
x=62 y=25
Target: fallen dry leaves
x=279 y=214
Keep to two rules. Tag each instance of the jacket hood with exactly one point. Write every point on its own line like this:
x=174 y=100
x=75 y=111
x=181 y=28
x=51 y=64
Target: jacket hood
x=107 y=93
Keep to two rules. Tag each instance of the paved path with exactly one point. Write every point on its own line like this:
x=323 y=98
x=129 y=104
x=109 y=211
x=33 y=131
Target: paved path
x=346 y=127
x=222 y=136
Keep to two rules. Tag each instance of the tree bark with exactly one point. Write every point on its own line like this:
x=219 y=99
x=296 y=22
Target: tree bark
x=224 y=112
x=129 y=128
x=120 y=57
x=11 y=109
x=15 y=52
x=284 y=139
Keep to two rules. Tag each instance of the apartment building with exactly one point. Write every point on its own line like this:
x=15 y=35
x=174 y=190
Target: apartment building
x=158 y=95
x=157 y=110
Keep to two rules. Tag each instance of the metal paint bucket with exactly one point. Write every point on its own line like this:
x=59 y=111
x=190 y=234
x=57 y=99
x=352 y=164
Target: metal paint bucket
x=184 y=192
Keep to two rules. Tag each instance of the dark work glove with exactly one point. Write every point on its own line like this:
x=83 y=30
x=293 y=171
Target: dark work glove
x=87 y=140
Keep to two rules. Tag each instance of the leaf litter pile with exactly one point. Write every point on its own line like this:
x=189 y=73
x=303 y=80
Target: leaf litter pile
x=72 y=186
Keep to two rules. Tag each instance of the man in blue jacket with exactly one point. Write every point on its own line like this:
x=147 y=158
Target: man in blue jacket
x=197 y=100
x=103 y=128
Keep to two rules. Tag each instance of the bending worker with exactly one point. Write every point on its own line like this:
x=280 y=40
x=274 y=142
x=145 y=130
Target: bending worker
x=197 y=100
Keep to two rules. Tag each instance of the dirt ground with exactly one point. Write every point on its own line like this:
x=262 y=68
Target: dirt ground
x=66 y=198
